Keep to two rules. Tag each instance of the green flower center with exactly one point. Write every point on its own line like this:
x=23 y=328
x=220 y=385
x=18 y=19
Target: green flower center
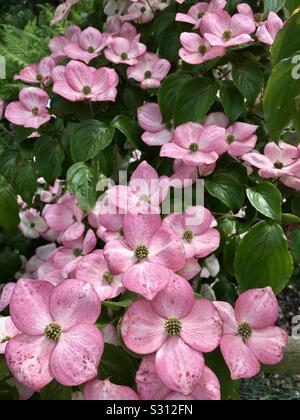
x=91 y=50
x=245 y=330
x=148 y=74
x=258 y=17
x=108 y=277
x=278 y=165
x=77 y=252
x=173 y=326
x=230 y=139
x=141 y=252
x=200 y=15
x=5 y=339
x=32 y=225
x=188 y=235
x=35 y=110
x=124 y=56
x=53 y=332
x=86 y=90
x=202 y=49
x=227 y=35
x=39 y=78
x=121 y=232
x=194 y=147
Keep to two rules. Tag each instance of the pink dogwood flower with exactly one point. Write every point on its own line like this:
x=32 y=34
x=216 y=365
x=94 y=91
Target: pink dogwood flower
x=196 y=145
x=250 y=337
x=41 y=255
x=291 y=181
x=89 y=45
x=178 y=328
x=141 y=10
x=195 y=228
x=116 y=7
x=120 y=29
x=59 y=340
x=197 y=50
x=52 y=194
x=31 y=111
x=63 y=10
x=105 y=390
x=38 y=73
x=245 y=9
x=241 y=138
x=149 y=71
x=5 y=295
x=150 y=387
x=196 y=12
x=277 y=161
x=68 y=257
x=58 y=43
x=94 y=269
x=124 y=51
x=32 y=225
x=146 y=255
x=66 y=217
x=144 y=194
x=216 y=118
x=222 y=30
x=82 y=83
x=7 y=332
x=191 y=269
x=156 y=132
x=268 y=30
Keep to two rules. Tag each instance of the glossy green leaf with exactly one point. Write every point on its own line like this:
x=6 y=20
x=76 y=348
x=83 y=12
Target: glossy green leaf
x=266 y=199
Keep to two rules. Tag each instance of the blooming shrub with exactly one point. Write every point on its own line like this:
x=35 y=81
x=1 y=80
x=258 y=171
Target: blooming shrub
x=163 y=286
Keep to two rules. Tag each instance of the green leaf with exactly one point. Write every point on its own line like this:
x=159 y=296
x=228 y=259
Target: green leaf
x=10 y=263
x=49 y=158
x=169 y=43
x=82 y=181
x=9 y=209
x=229 y=254
x=289 y=219
x=25 y=180
x=273 y=6
x=118 y=366
x=295 y=245
x=168 y=92
x=292 y=5
x=266 y=199
x=4 y=371
x=263 y=258
x=88 y=139
x=130 y=129
x=232 y=101
x=56 y=392
x=248 y=77
x=116 y=306
x=194 y=100
x=228 y=190
x=279 y=99
x=287 y=42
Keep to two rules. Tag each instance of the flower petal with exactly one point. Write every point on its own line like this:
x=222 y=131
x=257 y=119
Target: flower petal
x=268 y=345
x=106 y=391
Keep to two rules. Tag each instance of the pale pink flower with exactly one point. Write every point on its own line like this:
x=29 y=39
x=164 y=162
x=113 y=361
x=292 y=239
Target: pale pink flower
x=250 y=337
x=41 y=255
x=31 y=111
x=124 y=51
x=58 y=43
x=65 y=217
x=52 y=194
x=178 y=328
x=89 y=45
x=106 y=391
x=24 y=392
x=241 y=138
x=216 y=118
x=141 y=10
x=156 y=132
x=68 y=257
x=94 y=269
x=146 y=255
x=222 y=30
x=144 y=194
x=149 y=71
x=245 y=9
x=268 y=30
x=6 y=292
x=196 y=145
x=197 y=50
x=110 y=335
x=32 y=224
x=82 y=83
x=277 y=161
x=195 y=228
x=116 y=7
x=291 y=181
x=63 y=10
x=196 y=12
x=150 y=387
x=38 y=73
x=120 y=29
x=7 y=332
x=191 y=269
x=58 y=340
